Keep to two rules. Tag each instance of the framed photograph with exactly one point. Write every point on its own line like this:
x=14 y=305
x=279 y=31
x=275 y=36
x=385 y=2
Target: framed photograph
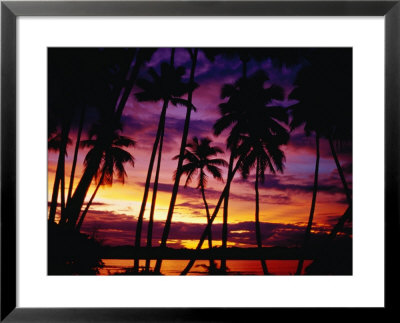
x=197 y=160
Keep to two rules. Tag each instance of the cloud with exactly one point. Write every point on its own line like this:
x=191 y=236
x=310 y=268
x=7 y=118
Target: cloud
x=119 y=229
x=279 y=183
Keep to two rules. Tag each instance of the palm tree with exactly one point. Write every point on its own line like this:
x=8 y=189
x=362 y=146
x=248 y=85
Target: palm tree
x=74 y=162
x=246 y=98
x=189 y=107
x=197 y=155
x=213 y=216
x=324 y=108
x=59 y=142
x=76 y=78
x=309 y=115
x=244 y=54
x=247 y=108
x=114 y=105
x=114 y=159
x=167 y=86
x=262 y=152
x=62 y=100
x=278 y=56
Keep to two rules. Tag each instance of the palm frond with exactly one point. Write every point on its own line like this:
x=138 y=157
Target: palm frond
x=182 y=102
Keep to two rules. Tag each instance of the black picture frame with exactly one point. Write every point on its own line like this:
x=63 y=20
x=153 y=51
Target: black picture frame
x=10 y=10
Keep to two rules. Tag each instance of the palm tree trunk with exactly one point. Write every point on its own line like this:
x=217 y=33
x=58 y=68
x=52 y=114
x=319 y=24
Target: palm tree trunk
x=140 y=60
x=180 y=162
x=258 y=230
x=225 y=215
x=74 y=205
x=245 y=60
x=310 y=219
x=226 y=201
x=161 y=125
x=208 y=221
x=154 y=198
x=79 y=225
x=159 y=137
x=62 y=188
x=340 y=171
x=78 y=139
x=347 y=215
x=59 y=170
x=337 y=228
x=213 y=216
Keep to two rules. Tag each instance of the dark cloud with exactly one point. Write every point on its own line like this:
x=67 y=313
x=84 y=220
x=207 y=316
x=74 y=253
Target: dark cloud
x=119 y=229
x=302 y=143
x=281 y=183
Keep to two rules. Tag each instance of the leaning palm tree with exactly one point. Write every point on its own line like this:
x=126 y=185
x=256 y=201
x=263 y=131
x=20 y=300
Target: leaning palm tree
x=327 y=75
x=76 y=150
x=59 y=142
x=114 y=159
x=115 y=105
x=167 y=86
x=198 y=162
x=77 y=78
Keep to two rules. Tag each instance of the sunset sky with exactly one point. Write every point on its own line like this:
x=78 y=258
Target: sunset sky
x=285 y=199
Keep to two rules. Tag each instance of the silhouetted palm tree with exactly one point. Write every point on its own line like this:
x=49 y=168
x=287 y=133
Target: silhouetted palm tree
x=59 y=142
x=325 y=109
x=310 y=115
x=247 y=97
x=198 y=162
x=114 y=159
x=78 y=78
x=189 y=107
x=262 y=152
x=113 y=106
x=247 y=108
x=244 y=54
x=213 y=216
x=62 y=100
x=74 y=162
x=167 y=86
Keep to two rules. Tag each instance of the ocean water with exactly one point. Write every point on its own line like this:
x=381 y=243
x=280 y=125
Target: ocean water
x=235 y=267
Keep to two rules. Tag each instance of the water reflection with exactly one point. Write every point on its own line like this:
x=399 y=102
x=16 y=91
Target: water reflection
x=236 y=267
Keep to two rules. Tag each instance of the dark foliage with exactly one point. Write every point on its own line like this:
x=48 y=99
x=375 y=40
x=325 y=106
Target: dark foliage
x=72 y=253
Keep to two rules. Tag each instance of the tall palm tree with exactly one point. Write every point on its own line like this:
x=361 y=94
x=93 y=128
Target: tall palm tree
x=167 y=86
x=279 y=56
x=244 y=54
x=246 y=98
x=198 y=162
x=114 y=105
x=247 y=107
x=324 y=108
x=309 y=115
x=114 y=159
x=77 y=144
x=189 y=107
x=214 y=214
x=59 y=142
x=70 y=73
x=62 y=100
x=262 y=152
